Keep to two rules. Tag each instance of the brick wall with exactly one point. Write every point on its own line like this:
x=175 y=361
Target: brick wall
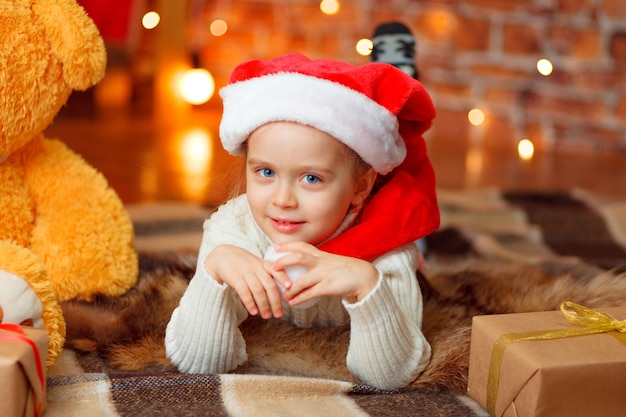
x=471 y=53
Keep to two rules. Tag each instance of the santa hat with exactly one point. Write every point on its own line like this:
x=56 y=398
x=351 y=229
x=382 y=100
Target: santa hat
x=375 y=109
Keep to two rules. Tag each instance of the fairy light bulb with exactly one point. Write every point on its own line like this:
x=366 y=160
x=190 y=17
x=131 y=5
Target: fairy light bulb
x=196 y=86
x=364 y=47
x=525 y=149
x=329 y=6
x=476 y=117
x=545 y=67
x=150 y=20
x=218 y=27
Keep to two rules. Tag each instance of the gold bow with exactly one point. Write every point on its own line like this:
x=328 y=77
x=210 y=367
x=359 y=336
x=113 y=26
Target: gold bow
x=589 y=320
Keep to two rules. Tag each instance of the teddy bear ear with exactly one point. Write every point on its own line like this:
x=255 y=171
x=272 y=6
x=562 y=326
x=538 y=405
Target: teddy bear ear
x=74 y=40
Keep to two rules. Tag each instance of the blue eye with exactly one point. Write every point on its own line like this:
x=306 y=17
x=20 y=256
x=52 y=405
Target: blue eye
x=266 y=172
x=311 y=179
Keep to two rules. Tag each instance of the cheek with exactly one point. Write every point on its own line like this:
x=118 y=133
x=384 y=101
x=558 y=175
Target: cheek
x=333 y=206
x=255 y=198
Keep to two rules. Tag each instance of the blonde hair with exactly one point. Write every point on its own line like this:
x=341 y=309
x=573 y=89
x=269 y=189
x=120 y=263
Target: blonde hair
x=236 y=178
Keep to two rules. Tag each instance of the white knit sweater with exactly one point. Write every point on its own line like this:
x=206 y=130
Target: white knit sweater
x=387 y=348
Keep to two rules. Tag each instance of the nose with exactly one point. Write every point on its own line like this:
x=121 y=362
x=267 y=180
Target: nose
x=284 y=196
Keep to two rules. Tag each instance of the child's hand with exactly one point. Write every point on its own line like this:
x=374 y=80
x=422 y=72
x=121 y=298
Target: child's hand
x=328 y=274
x=249 y=277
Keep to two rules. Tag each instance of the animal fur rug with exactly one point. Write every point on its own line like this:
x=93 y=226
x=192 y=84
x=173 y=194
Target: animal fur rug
x=128 y=331
x=487 y=258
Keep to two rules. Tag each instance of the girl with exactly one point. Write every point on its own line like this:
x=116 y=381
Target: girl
x=317 y=135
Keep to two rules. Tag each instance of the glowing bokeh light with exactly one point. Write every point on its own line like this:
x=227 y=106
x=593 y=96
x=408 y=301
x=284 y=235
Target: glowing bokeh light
x=525 y=149
x=545 y=67
x=196 y=86
x=115 y=89
x=329 y=6
x=364 y=47
x=195 y=151
x=150 y=20
x=474 y=161
x=218 y=27
x=441 y=23
x=476 y=117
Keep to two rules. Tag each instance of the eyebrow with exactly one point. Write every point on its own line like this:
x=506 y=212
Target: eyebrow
x=256 y=161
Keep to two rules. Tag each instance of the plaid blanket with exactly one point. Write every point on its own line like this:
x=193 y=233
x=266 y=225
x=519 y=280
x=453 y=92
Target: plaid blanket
x=577 y=231
x=96 y=395
x=530 y=227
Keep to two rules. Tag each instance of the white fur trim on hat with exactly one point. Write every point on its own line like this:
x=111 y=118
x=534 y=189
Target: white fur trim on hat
x=349 y=116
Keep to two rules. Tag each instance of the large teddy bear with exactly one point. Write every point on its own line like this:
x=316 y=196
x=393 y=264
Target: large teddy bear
x=64 y=233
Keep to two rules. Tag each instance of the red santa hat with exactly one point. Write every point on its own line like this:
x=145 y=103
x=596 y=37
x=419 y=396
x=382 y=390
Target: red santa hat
x=375 y=109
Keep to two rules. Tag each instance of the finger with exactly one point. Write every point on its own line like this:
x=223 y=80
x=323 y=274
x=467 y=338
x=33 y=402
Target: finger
x=297 y=246
x=278 y=274
x=275 y=299
x=301 y=297
x=306 y=283
x=246 y=298
x=272 y=295
x=259 y=293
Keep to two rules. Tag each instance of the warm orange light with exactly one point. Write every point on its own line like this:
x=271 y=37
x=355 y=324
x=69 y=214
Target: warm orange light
x=441 y=23
x=329 y=6
x=545 y=67
x=196 y=86
x=149 y=172
x=195 y=152
x=218 y=27
x=150 y=20
x=525 y=149
x=476 y=117
x=364 y=47
x=115 y=89
x=473 y=165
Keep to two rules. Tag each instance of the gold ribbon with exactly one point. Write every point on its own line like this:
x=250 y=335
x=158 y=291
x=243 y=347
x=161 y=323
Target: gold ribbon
x=589 y=320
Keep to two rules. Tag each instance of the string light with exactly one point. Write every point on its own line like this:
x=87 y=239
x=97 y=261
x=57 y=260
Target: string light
x=196 y=86
x=218 y=27
x=525 y=149
x=150 y=20
x=329 y=6
x=364 y=47
x=476 y=117
x=545 y=67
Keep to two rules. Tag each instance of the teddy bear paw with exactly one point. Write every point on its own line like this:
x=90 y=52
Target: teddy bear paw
x=18 y=302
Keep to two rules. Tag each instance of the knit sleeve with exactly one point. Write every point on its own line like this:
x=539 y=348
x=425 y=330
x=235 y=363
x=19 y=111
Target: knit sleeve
x=387 y=347
x=203 y=335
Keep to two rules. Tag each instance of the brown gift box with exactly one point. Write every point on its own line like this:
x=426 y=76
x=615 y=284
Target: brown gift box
x=573 y=376
x=22 y=374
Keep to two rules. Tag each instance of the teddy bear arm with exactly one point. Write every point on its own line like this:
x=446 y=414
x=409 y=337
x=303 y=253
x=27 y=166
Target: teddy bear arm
x=82 y=232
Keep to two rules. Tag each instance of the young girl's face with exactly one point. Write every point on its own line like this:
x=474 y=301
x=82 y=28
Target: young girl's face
x=301 y=182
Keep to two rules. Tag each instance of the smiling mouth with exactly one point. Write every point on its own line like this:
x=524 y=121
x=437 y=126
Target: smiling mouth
x=286 y=226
